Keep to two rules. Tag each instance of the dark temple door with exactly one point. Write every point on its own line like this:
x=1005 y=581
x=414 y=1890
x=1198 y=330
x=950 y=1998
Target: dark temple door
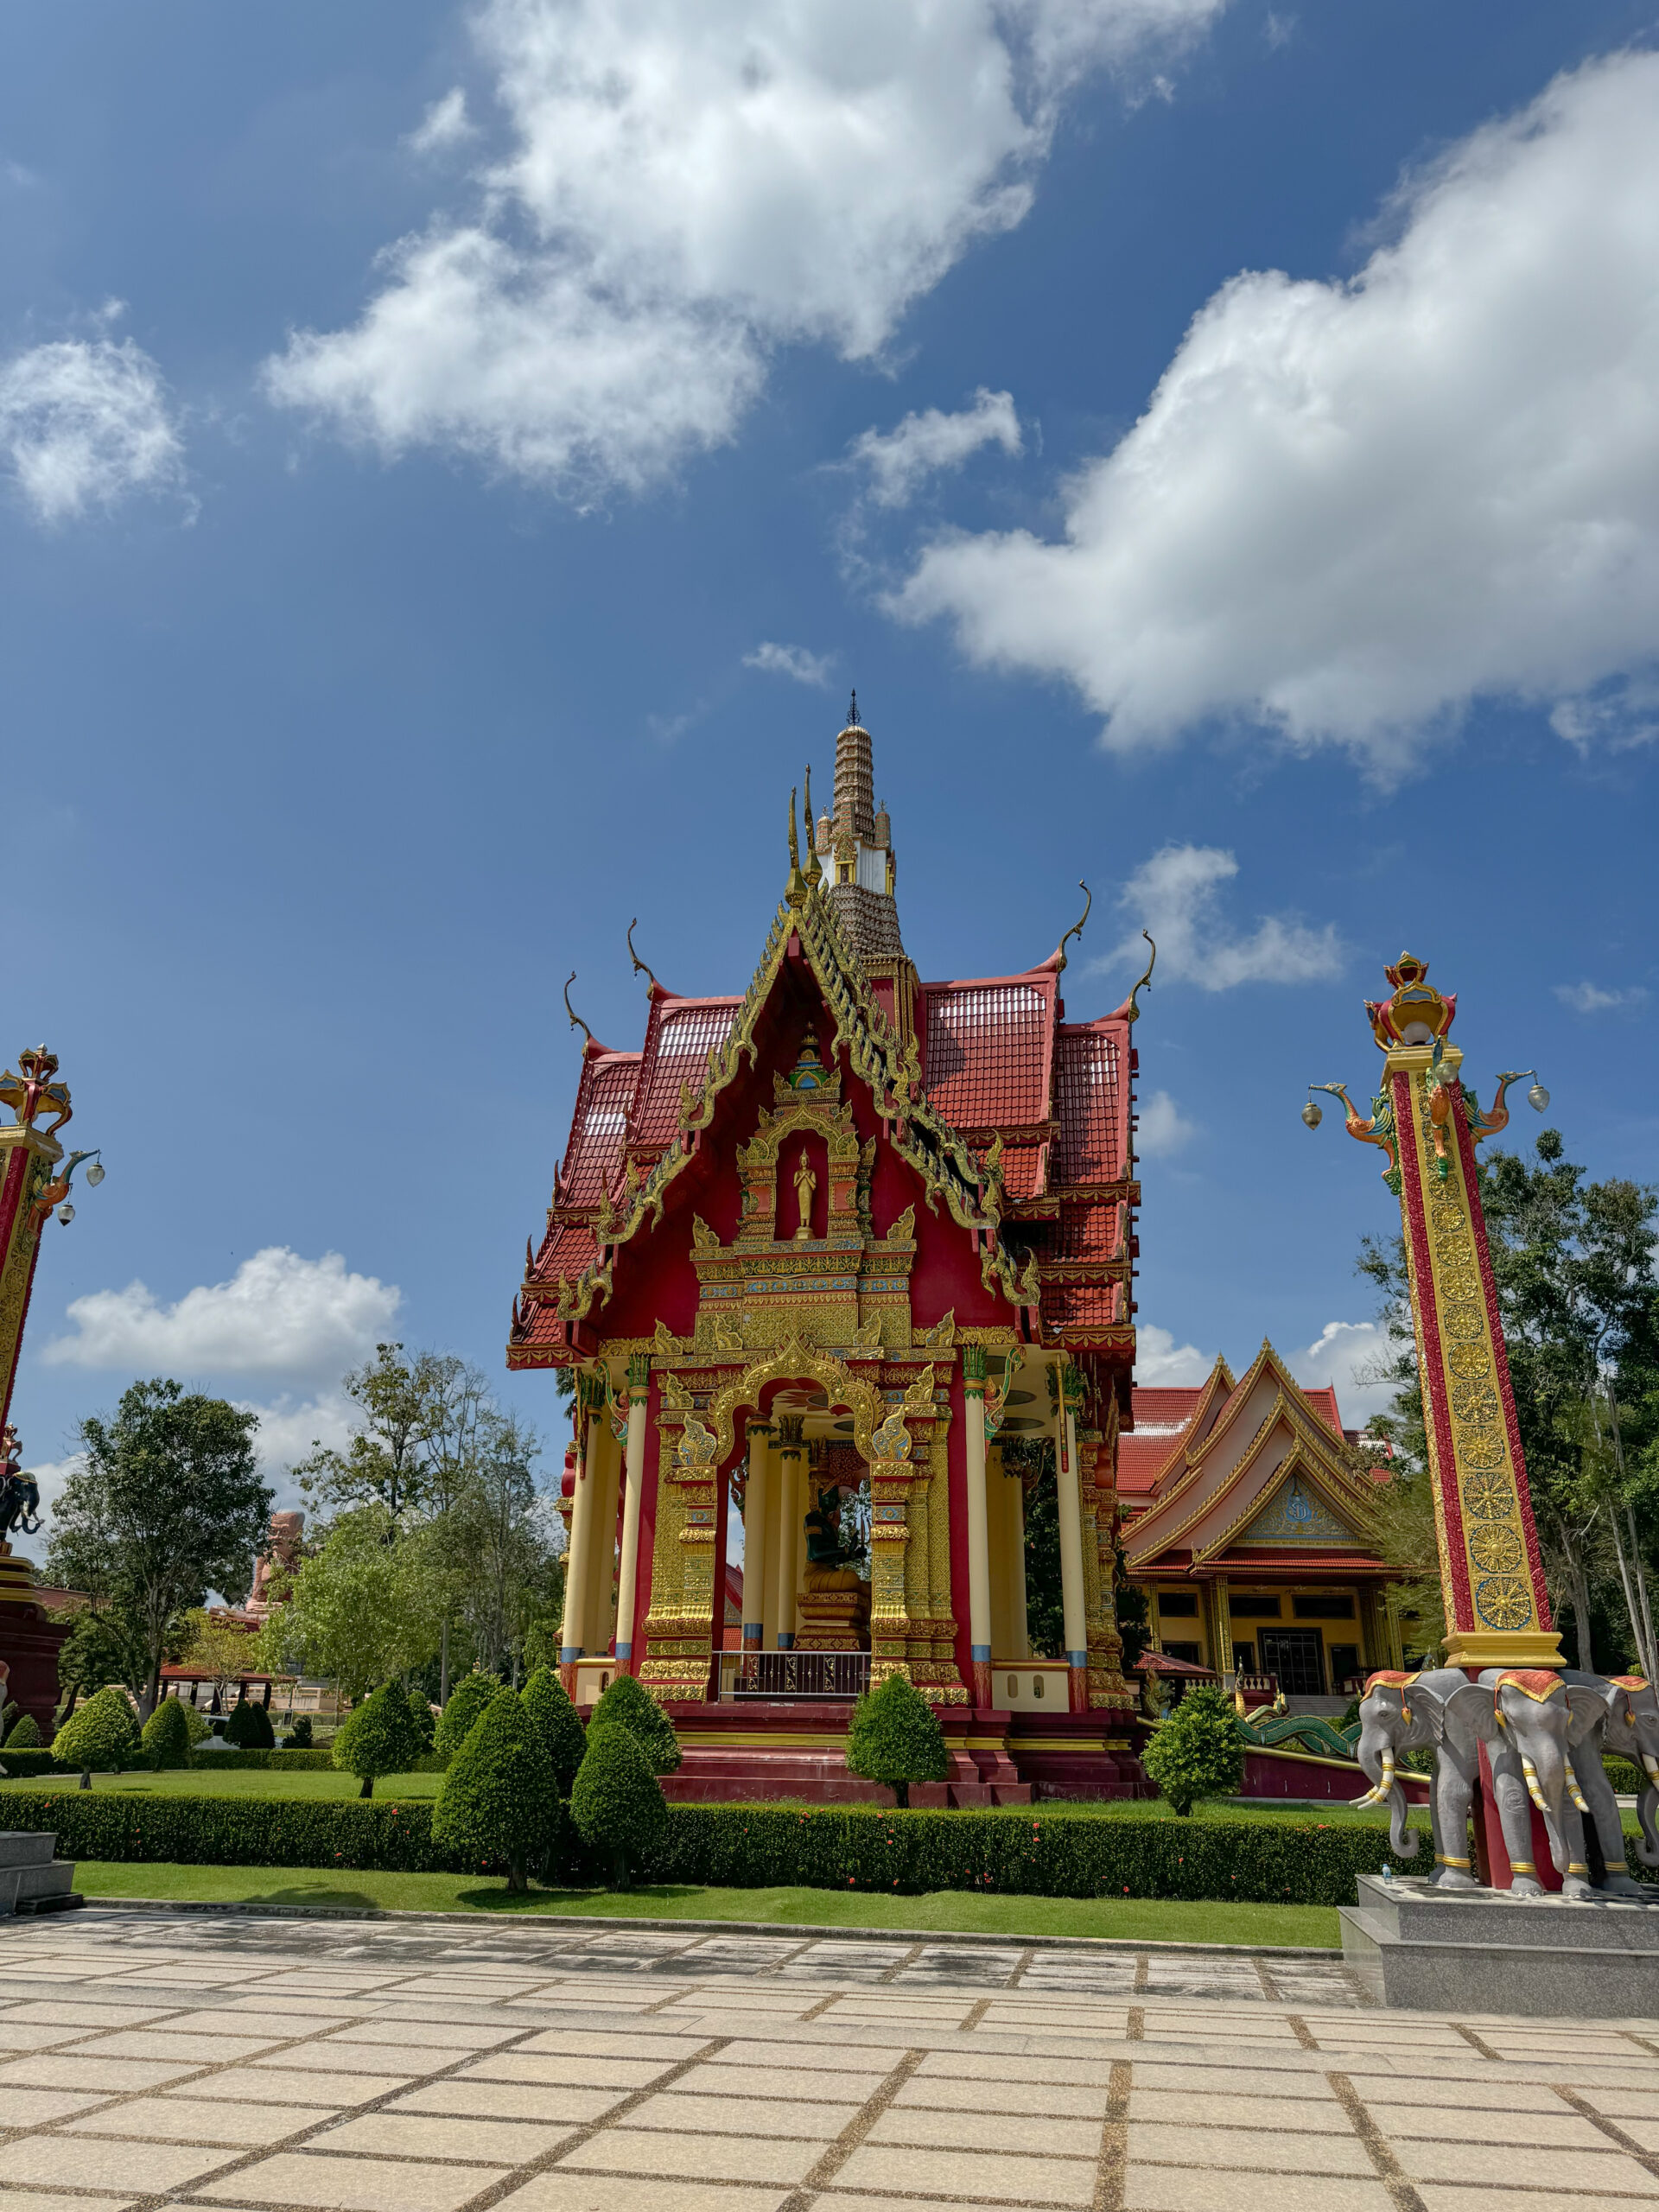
x=1297 y=1656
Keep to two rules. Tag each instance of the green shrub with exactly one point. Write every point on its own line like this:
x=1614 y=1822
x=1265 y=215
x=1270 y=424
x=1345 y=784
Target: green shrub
x=25 y=1733
x=1197 y=1752
x=616 y=1801
x=559 y=1725
x=166 y=1735
x=24 y=1766
x=895 y=1738
x=426 y=1721
x=468 y=1700
x=197 y=1722
x=499 y=1801
x=628 y=1704
x=380 y=1737
x=249 y=1727
x=1624 y=1774
x=102 y=1734
x=298 y=1737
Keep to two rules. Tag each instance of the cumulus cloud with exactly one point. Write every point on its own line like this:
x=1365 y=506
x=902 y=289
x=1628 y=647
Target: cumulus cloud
x=1351 y=508
x=445 y=124
x=85 y=422
x=1164 y=1129
x=1350 y=1355
x=1160 y=1362
x=1177 y=896
x=898 y=462
x=792 y=661
x=1591 y=998
x=686 y=189
x=279 y=1314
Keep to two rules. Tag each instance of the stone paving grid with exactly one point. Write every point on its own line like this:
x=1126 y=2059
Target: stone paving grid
x=151 y=2061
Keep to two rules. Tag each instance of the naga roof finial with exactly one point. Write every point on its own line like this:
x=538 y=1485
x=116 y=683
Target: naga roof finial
x=639 y=967
x=1144 y=983
x=576 y=1021
x=1076 y=927
x=795 y=890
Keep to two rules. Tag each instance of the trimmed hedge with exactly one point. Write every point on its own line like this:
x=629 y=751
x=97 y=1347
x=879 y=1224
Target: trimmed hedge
x=23 y=1765
x=350 y=1831
x=26 y=1765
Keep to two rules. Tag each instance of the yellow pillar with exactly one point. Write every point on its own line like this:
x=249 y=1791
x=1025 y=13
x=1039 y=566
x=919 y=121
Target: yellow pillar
x=577 y=1565
x=756 y=1502
x=785 y=1498
x=601 y=1558
x=634 y=1475
x=996 y=1518
x=1070 y=1521
x=979 y=1567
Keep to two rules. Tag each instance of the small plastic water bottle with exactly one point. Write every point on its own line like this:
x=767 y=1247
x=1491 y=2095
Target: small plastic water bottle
x=1388 y=1874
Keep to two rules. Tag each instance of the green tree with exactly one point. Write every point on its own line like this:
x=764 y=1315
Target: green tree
x=388 y=1461
x=469 y=1701
x=166 y=1735
x=1032 y=1459
x=102 y=1734
x=249 y=1727
x=167 y=1506
x=379 y=1737
x=24 y=1733
x=425 y=1721
x=561 y=1732
x=895 y=1738
x=616 y=1802
x=498 y=1800
x=1197 y=1752
x=359 y=1611
x=628 y=1704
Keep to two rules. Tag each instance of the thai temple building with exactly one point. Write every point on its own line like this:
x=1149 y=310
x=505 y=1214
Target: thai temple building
x=1249 y=1518
x=828 y=1257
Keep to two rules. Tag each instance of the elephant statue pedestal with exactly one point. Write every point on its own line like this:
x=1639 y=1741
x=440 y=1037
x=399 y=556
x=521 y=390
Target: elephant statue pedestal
x=1416 y=1945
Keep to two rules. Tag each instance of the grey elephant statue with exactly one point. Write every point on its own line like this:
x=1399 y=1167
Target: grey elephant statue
x=1617 y=1712
x=1527 y=1723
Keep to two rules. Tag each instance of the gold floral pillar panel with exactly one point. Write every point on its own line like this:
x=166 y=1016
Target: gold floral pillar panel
x=680 y=1627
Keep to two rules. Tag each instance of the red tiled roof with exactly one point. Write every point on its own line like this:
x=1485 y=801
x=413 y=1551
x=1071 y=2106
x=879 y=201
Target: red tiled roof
x=1322 y=1399
x=1091 y=1230
x=1160 y=1406
x=569 y=1247
x=1090 y=1106
x=986 y=1050
x=1082 y=1305
x=598 y=1126
x=1139 y=1458
x=1024 y=1174
x=679 y=1037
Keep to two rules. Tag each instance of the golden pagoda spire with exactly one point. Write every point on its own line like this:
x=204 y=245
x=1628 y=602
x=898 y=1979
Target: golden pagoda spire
x=814 y=869
x=794 y=889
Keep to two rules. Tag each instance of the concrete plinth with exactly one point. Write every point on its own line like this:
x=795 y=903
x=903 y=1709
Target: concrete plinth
x=1485 y=1951
x=31 y=1880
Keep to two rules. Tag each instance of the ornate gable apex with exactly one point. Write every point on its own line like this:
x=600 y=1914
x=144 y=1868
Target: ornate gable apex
x=1300 y=1500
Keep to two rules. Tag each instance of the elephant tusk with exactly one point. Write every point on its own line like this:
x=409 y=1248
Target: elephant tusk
x=1574 y=1790
x=1533 y=1789
x=1651 y=1764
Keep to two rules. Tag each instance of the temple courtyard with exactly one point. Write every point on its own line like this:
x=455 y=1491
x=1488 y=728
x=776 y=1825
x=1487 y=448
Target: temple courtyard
x=157 y=2059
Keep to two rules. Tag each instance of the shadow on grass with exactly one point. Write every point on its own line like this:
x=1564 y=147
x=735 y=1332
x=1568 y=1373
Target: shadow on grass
x=312 y=1893
x=499 y=1898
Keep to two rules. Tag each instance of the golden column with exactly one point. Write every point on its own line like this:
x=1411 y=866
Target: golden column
x=756 y=1522
x=585 y=1511
x=1427 y=1126
x=628 y=1572
x=784 y=1496
x=979 y=1555
x=1073 y=1601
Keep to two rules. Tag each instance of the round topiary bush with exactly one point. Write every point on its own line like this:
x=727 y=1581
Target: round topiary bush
x=1197 y=1752
x=25 y=1734
x=249 y=1727
x=298 y=1737
x=895 y=1738
x=498 y=1801
x=559 y=1724
x=616 y=1801
x=379 y=1737
x=103 y=1734
x=166 y=1735
x=628 y=1704
x=469 y=1699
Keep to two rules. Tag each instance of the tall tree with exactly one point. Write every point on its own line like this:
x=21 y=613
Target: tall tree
x=167 y=1507
x=392 y=1457
x=359 y=1610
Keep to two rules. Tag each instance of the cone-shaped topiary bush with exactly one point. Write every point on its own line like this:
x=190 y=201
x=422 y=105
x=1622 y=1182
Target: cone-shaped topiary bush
x=249 y=1727
x=498 y=1801
x=616 y=1801
x=895 y=1738
x=1197 y=1752
x=103 y=1733
x=197 y=1722
x=469 y=1699
x=426 y=1721
x=379 y=1737
x=166 y=1735
x=559 y=1724
x=628 y=1704
x=25 y=1734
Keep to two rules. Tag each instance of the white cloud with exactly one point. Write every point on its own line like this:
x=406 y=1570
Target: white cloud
x=1160 y=1362
x=1176 y=895
x=1351 y=508
x=446 y=125
x=794 y=661
x=290 y=1431
x=84 y=422
x=898 y=461
x=1349 y=1354
x=1164 y=1129
x=51 y=1475
x=687 y=188
x=1591 y=998
x=279 y=1314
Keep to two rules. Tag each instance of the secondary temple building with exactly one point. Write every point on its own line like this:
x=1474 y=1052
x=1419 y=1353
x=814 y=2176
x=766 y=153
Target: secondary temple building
x=819 y=1254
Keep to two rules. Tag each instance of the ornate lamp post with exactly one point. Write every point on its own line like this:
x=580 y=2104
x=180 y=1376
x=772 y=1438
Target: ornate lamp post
x=1427 y=1126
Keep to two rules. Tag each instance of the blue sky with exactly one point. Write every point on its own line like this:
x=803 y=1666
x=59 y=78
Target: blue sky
x=414 y=422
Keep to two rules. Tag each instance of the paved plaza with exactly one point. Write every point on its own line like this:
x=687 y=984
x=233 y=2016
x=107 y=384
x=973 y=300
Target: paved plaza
x=151 y=2060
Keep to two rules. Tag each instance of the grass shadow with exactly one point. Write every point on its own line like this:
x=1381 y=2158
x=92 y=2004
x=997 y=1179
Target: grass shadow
x=314 y=1893
x=499 y=1898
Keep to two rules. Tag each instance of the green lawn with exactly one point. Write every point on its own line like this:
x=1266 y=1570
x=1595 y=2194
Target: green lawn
x=945 y=1911
x=244 y=1782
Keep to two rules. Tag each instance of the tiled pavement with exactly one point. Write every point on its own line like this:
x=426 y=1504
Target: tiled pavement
x=363 y=2066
